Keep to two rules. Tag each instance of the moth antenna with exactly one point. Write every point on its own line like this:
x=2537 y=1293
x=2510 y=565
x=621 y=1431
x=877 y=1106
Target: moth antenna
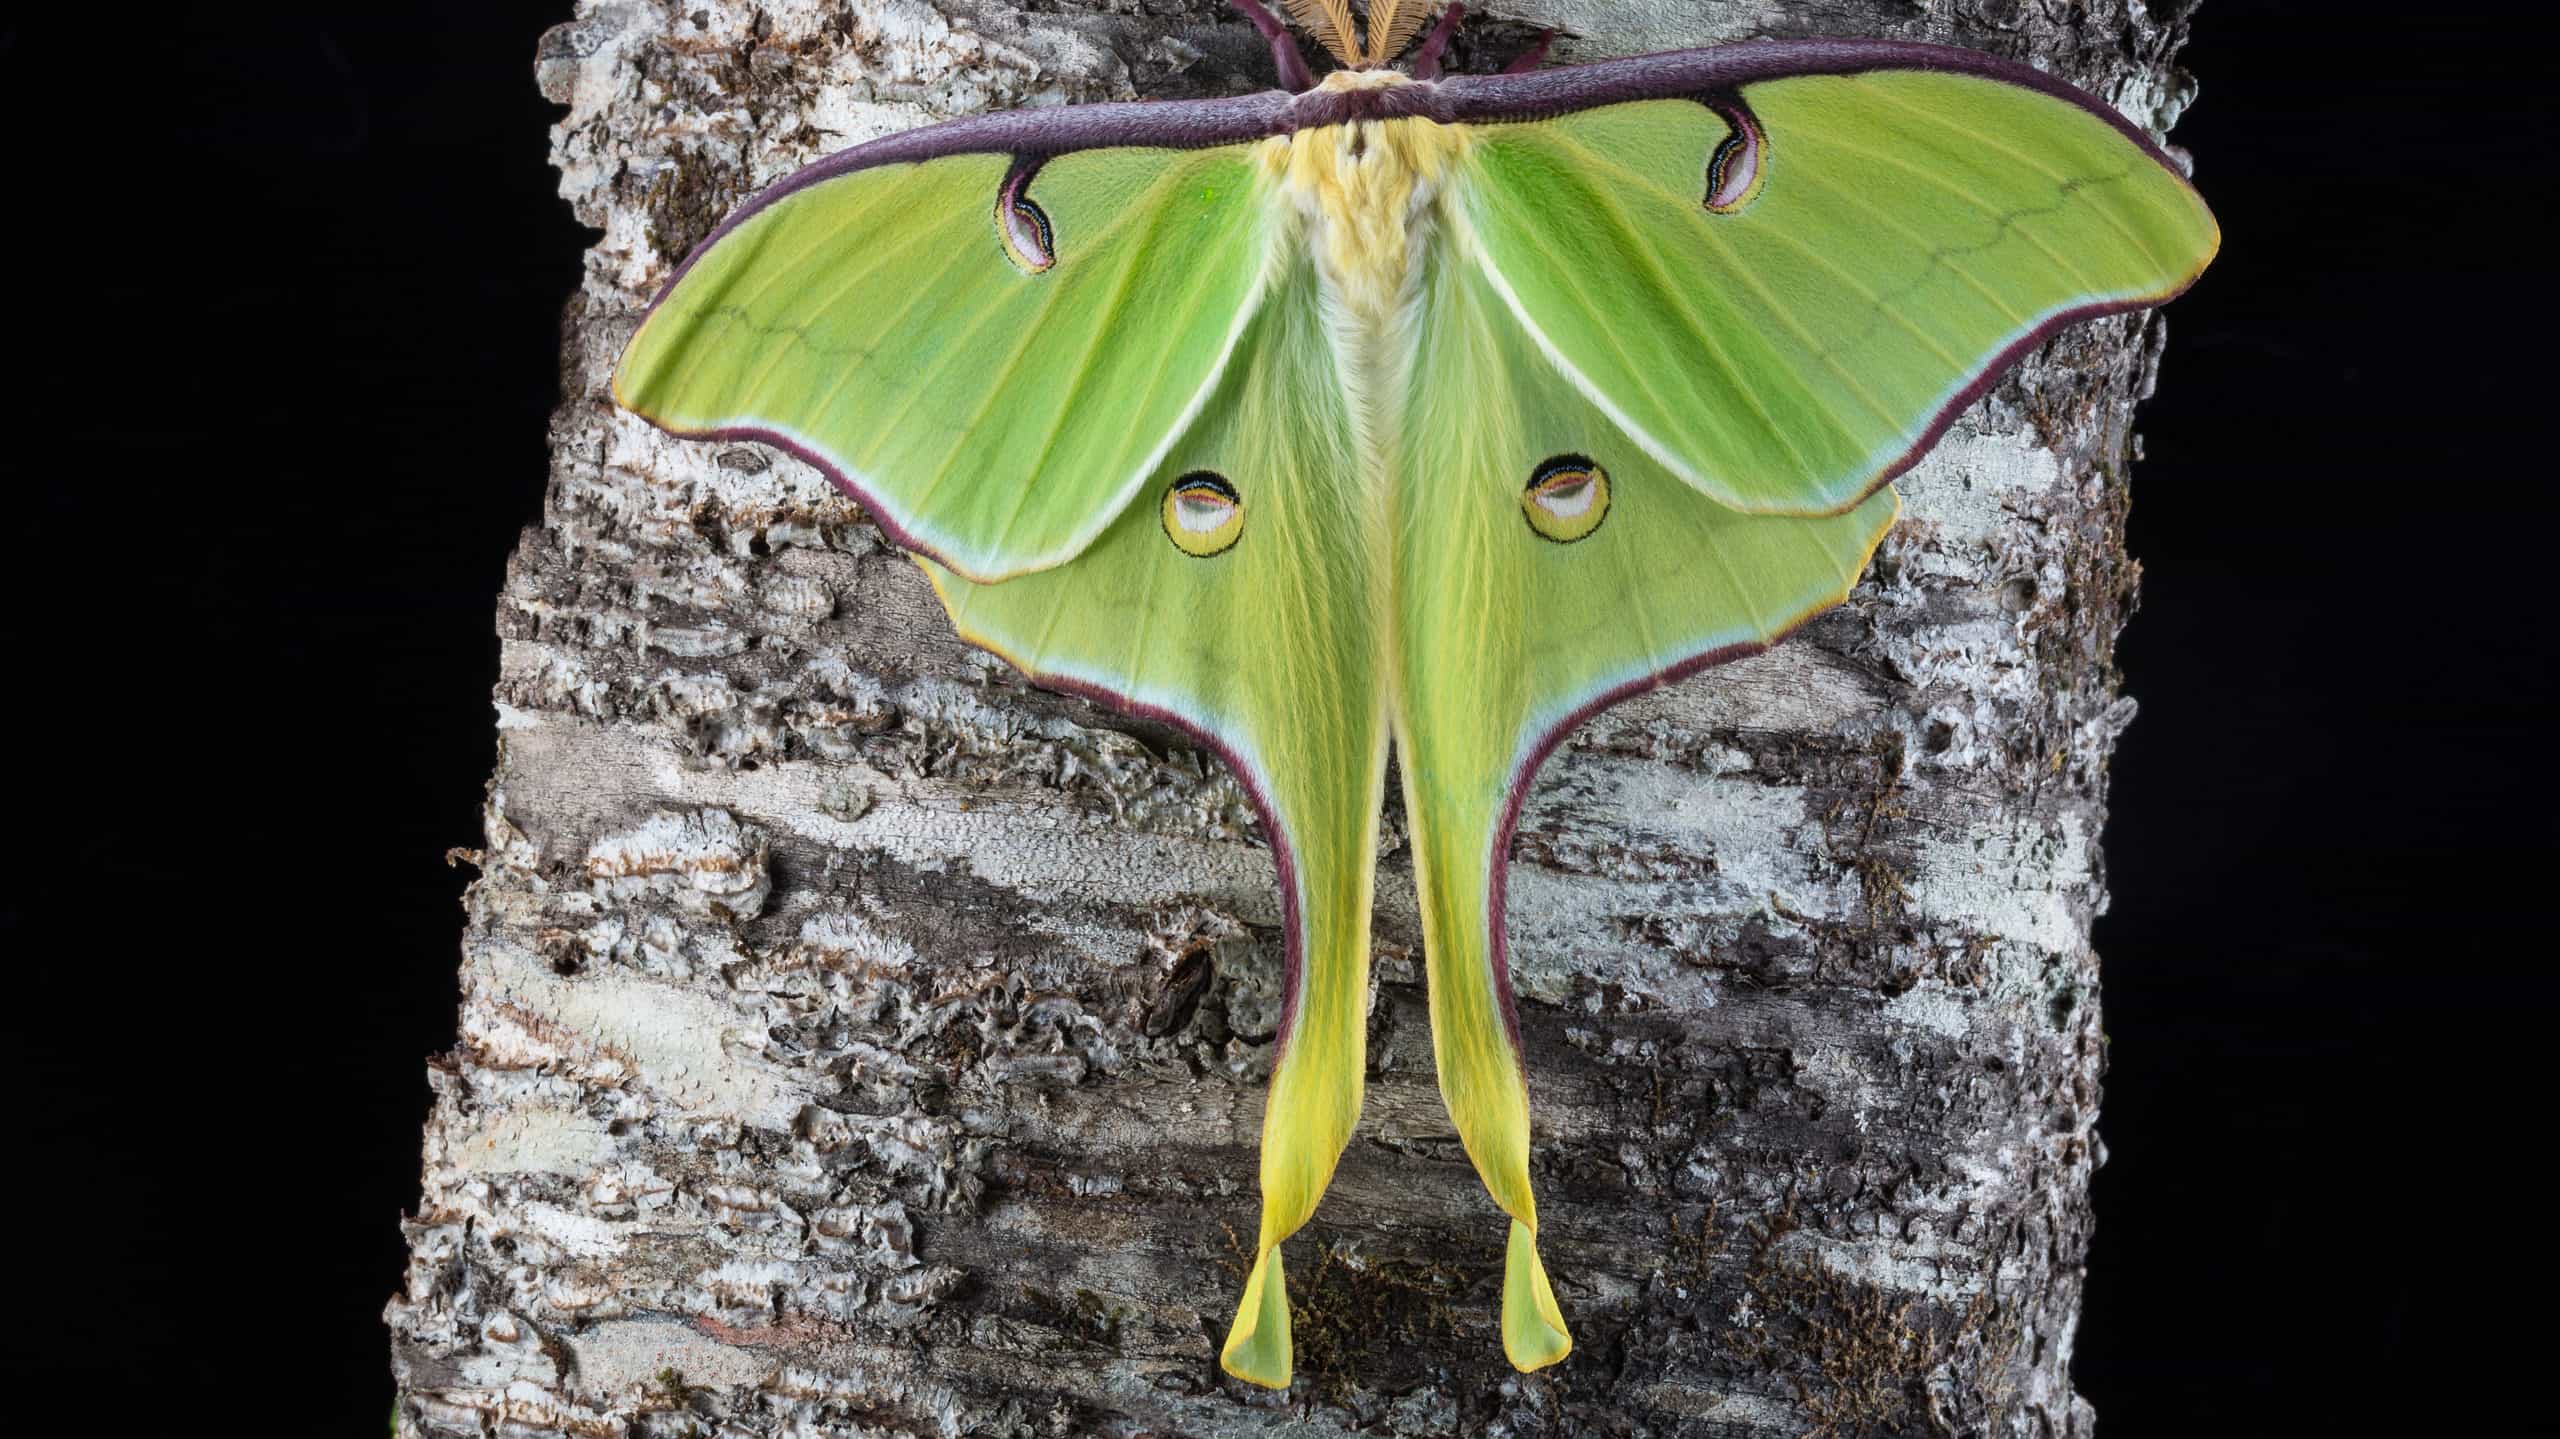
x=1527 y=60
x=1392 y=26
x=1426 y=61
x=1330 y=22
x=1284 y=47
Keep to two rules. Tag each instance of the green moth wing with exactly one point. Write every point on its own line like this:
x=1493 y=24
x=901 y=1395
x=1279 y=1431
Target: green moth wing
x=1601 y=573
x=1432 y=413
x=997 y=424
x=1238 y=601
x=1794 y=322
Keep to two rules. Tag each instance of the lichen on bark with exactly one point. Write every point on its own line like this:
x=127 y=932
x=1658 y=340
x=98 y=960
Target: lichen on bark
x=857 y=1040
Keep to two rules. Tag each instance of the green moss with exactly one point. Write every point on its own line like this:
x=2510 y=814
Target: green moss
x=1085 y=1316
x=1864 y=1360
x=1698 y=1252
x=1352 y=1320
x=1859 y=818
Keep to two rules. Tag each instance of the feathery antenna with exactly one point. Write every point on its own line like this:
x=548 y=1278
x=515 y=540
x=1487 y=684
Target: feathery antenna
x=1392 y=26
x=1330 y=22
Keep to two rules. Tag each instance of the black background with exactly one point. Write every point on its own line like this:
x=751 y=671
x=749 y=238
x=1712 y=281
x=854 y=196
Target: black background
x=2325 y=849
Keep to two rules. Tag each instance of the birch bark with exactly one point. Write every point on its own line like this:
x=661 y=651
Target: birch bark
x=856 y=1040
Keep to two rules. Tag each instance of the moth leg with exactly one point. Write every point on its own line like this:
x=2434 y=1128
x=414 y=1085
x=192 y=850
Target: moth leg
x=1285 y=58
x=1426 y=61
x=1531 y=58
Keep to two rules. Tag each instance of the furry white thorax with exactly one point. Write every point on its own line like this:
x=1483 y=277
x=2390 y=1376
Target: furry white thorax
x=1366 y=194
x=1364 y=191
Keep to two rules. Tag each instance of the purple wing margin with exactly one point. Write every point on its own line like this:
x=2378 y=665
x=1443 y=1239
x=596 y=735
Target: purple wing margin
x=1455 y=99
x=1039 y=134
x=1722 y=69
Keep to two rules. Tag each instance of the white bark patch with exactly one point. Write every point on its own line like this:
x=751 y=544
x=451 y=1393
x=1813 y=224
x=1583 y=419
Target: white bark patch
x=1968 y=490
x=698 y=1054
x=1923 y=1264
x=622 y=1360
x=1792 y=687
x=1748 y=1411
x=1034 y=842
x=520 y=1407
x=580 y=1235
x=845 y=939
x=510 y=1352
x=704 y=861
x=1598 y=28
x=2030 y=888
x=530 y=1140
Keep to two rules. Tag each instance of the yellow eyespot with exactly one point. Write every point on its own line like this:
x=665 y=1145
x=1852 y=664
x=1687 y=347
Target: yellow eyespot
x=1567 y=498
x=1202 y=514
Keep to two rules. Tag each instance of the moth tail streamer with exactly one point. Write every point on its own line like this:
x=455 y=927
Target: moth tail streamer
x=1474 y=1035
x=1317 y=1081
x=1533 y=1332
x=1257 y=1350
x=1306 y=1122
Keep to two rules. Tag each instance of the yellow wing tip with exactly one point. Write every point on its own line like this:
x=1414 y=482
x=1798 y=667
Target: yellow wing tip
x=629 y=391
x=1257 y=1349
x=2212 y=246
x=1533 y=1332
x=620 y=385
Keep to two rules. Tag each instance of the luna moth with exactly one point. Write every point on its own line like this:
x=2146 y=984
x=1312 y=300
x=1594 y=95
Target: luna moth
x=1415 y=412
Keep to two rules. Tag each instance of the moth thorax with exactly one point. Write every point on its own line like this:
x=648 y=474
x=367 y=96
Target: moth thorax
x=1365 y=189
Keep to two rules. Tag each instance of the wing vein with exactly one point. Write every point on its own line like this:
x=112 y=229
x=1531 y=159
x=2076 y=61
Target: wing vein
x=1768 y=297
x=1735 y=376
x=1999 y=216
x=1139 y=253
x=825 y=236
x=1886 y=217
x=2063 y=183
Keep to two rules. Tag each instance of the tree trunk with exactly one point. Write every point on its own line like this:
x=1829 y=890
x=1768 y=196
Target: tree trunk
x=857 y=1040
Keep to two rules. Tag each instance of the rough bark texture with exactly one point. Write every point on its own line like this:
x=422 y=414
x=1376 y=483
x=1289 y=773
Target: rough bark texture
x=856 y=1040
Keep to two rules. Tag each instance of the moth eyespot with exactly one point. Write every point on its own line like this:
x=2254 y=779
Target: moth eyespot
x=1023 y=226
x=1567 y=498
x=1738 y=164
x=1202 y=514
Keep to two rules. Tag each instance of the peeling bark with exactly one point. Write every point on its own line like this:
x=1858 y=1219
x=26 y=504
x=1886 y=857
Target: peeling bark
x=856 y=1040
